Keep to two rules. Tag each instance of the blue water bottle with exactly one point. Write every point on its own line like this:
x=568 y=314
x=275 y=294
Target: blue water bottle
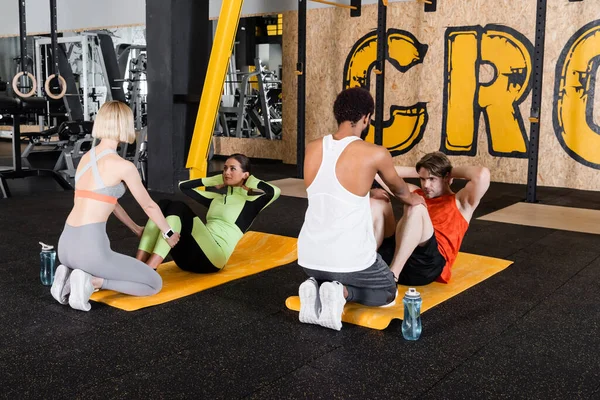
x=47 y=264
x=411 y=326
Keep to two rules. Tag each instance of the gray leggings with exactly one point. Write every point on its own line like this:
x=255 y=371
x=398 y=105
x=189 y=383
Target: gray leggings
x=87 y=248
x=374 y=286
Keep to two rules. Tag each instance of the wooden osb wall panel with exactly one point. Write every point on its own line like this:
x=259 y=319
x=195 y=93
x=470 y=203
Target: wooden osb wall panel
x=556 y=166
x=289 y=89
x=505 y=32
x=256 y=148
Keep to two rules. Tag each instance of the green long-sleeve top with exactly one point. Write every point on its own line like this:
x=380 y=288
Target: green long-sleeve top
x=231 y=214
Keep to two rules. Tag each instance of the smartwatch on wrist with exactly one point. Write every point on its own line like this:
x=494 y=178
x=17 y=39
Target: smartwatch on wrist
x=168 y=234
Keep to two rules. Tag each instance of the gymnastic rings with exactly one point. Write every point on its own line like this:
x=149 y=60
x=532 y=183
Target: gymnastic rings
x=16 y=87
x=63 y=86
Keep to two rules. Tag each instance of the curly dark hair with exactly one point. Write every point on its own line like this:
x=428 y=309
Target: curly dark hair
x=352 y=105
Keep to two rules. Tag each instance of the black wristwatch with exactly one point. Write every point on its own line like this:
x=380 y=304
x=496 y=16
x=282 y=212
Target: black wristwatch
x=168 y=234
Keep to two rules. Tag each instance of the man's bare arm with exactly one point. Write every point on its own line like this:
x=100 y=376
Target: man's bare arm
x=406 y=172
x=479 y=182
x=403 y=172
x=396 y=185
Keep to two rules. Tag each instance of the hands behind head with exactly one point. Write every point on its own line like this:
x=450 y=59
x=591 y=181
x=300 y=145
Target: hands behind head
x=221 y=186
x=173 y=240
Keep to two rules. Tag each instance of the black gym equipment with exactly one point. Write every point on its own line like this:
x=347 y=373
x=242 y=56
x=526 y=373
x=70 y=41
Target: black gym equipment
x=71 y=99
x=27 y=105
x=19 y=79
x=248 y=109
x=536 y=101
x=380 y=70
x=115 y=76
x=300 y=72
x=16 y=108
x=61 y=84
x=430 y=5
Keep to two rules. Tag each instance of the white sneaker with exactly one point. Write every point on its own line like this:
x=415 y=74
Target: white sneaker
x=81 y=290
x=332 y=305
x=61 y=287
x=309 y=301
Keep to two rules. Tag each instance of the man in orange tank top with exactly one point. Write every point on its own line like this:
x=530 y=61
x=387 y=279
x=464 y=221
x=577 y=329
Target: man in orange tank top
x=428 y=239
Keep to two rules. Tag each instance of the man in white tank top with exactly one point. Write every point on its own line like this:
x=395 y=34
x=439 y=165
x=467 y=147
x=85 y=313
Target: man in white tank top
x=337 y=246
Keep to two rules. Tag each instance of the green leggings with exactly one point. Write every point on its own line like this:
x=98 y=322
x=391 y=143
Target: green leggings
x=197 y=250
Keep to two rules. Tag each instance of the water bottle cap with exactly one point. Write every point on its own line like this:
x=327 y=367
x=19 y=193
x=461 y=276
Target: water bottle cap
x=46 y=247
x=412 y=292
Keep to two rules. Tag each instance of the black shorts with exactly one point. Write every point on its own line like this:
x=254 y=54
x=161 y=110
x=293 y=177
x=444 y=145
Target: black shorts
x=424 y=265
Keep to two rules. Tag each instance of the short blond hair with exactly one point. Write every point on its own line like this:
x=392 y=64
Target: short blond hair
x=114 y=121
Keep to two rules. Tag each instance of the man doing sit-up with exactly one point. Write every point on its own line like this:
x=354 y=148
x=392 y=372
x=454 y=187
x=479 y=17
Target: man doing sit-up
x=428 y=239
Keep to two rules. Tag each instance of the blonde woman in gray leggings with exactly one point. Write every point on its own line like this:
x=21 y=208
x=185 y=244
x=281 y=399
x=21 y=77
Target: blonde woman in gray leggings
x=87 y=261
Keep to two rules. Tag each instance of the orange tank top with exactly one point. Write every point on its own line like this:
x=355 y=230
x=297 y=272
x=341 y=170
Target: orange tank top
x=450 y=228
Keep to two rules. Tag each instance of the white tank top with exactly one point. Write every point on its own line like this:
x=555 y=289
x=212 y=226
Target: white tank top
x=337 y=235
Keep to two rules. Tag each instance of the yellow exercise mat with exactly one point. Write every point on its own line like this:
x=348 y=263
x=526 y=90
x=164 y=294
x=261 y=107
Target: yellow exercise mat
x=545 y=216
x=256 y=252
x=291 y=187
x=468 y=270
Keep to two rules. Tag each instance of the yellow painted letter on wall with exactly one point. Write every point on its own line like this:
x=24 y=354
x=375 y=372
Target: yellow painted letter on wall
x=574 y=96
x=406 y=125
x=508 y=55
x=460 y=91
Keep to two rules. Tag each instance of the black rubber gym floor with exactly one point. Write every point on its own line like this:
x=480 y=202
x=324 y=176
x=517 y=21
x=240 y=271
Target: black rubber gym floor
x=531 y=331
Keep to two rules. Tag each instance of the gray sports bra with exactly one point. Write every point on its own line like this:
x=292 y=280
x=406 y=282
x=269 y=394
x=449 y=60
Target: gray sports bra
x=116 y=191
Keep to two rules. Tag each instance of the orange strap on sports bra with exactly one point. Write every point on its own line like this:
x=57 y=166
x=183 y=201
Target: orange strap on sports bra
x=95 y=196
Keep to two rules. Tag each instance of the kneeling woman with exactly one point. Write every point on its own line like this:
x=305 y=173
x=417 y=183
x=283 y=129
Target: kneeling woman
x=205 y=248
x=83 y=247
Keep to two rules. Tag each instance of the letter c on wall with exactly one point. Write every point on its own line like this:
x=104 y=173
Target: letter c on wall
x=574 y=96
x=406 y=125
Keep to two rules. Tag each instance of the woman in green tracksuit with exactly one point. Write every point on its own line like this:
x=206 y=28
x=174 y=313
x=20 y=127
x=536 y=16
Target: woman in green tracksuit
x=205 y=248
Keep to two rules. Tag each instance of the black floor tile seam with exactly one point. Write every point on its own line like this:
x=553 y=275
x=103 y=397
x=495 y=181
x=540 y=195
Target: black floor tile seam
x=135 y=315
x=548 y=232
x=208 y=343
x=506 y=329
x=83 y=316
x=39 y=348
x=216 y=336
x=465 y=360
x=282 y=376
x=124 y=329
x=93 y=327
x=549 y=295
x=126 y=371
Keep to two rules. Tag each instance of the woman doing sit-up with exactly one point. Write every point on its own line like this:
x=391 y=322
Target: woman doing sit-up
x=205 y=248
x=83 y=247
